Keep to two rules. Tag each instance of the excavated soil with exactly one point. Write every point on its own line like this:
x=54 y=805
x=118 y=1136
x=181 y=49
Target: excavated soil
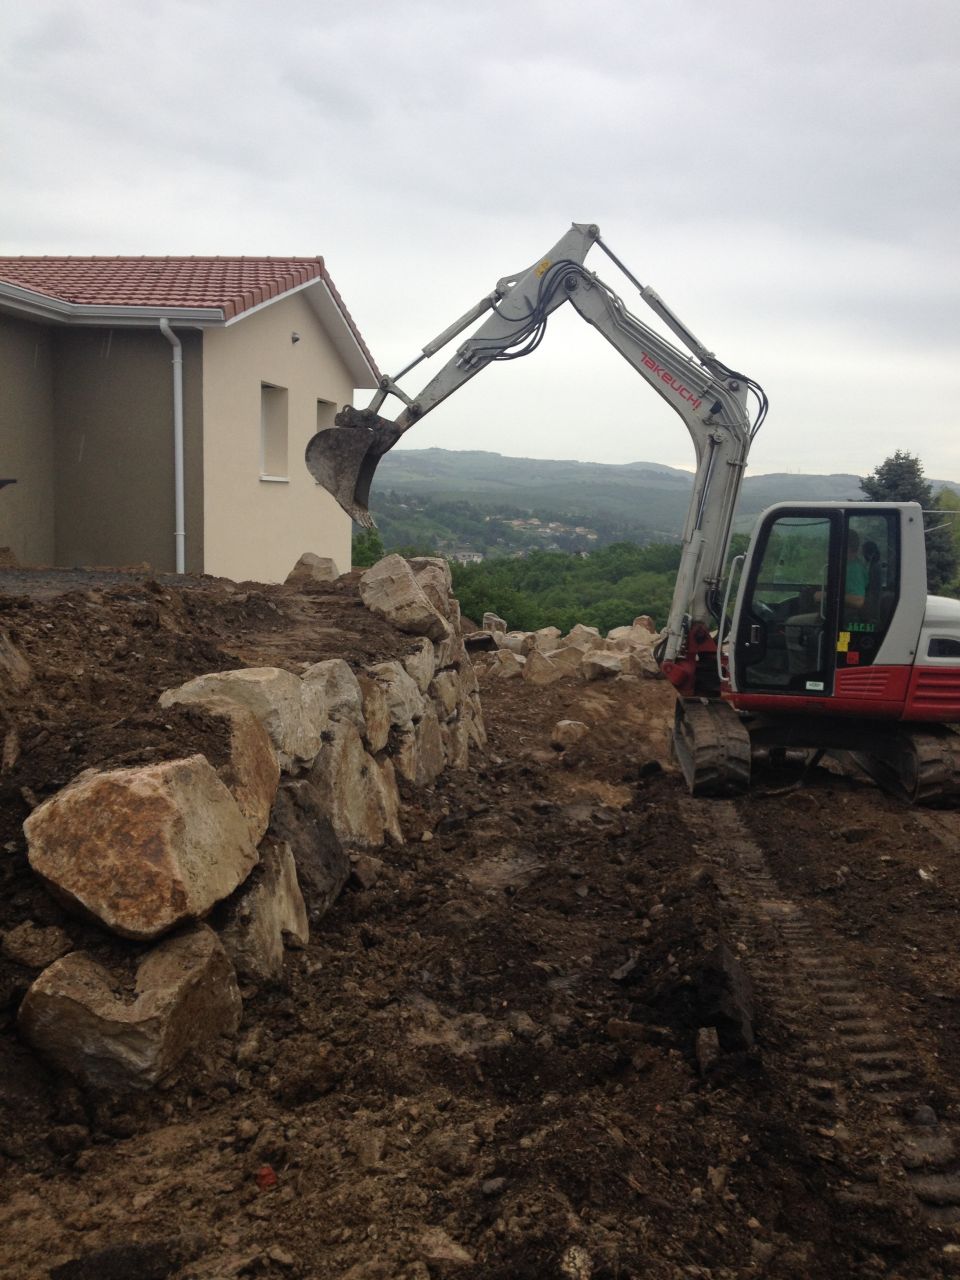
x=579 y=1026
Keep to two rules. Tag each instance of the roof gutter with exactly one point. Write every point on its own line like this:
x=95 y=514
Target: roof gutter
x=179 y=532
x=43 y=306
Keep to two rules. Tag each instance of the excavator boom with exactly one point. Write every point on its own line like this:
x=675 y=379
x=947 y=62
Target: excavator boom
x=709 y=397
x=871 y=676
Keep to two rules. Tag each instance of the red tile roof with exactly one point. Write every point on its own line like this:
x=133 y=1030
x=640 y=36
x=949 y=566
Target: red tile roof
x=230 y=285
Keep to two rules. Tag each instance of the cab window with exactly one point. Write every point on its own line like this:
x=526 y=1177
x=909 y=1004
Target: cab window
x=871 y=585
x=784 y=637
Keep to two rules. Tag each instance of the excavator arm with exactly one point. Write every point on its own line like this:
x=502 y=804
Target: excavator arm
x=709 y=397
x=344 y=458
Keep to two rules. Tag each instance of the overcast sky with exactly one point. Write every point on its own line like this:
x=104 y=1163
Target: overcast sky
x=785 y=175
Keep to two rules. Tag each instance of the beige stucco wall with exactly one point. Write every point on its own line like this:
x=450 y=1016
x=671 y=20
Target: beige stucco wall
x=256 y=528
x=26 y=441
x=113 y=413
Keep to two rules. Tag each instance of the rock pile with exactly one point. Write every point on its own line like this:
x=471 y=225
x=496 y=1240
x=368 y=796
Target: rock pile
x=257 y=847
x=545 y=656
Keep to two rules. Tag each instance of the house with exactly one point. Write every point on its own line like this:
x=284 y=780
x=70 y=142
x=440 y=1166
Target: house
x=157 y=410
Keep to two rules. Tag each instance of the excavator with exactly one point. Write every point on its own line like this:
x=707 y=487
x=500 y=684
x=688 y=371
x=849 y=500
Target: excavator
x=819 y=639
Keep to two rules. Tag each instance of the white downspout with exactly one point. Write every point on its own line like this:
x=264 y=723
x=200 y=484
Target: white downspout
x=179 y=533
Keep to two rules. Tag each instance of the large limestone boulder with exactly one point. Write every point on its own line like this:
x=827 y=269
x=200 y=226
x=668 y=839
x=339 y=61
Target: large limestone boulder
x=468 y=678
x=419 y=754
x=421 y=663
x=493 y=622
x=583 y=637
x=405 y=702
x=390 y=800
x=331 y=692
x=641 y=662
x=546 y=639
x=404 y=754
x=268 y=914
x=620 y=637
x=568 y=659
x=506 y=665
x=456 y=743
x=630 y=638
x=447 y=693
x=142 y=849
x=539 y=669
x=355 y=793
x=431 y=756
x=599 y=665
x=311 y=569
x=391 y=591
x=252 y=771
x=515 y=641
x=376 y=713
x=472 y=717
x=301 y=822
x=434 y=577
x=185 y=996
x=273 y=695
x=452 y=652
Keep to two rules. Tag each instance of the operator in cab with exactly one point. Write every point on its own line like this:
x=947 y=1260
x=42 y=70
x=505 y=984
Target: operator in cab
x=855 y=578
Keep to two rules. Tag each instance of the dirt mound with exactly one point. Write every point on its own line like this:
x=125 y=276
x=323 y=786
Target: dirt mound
x=491 y=1058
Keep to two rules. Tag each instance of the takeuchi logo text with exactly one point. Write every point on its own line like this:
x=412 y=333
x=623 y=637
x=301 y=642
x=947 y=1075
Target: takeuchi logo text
x=666 y=376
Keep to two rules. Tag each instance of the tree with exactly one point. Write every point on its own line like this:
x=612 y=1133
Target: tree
x=900 y=478
x=948 y=500
x=367 y=548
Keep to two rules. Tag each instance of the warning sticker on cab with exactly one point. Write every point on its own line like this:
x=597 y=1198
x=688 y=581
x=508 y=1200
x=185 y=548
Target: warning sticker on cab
x=843 y=642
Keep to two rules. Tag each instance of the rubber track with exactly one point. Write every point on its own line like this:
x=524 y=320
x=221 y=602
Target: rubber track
x=712 y=747
x=859 y=1070
x=928 y=773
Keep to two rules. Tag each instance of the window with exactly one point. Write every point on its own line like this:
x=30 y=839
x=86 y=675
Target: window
x=943 y=647
x=273 y=432
x=326 y=412
x=784 y=642
x=872 y=585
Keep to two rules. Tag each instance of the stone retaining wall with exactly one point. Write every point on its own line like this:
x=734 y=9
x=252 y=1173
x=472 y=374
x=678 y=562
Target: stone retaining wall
x=261 y=846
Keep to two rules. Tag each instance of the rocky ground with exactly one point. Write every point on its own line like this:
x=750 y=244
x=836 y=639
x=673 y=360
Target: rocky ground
x=576 y=1026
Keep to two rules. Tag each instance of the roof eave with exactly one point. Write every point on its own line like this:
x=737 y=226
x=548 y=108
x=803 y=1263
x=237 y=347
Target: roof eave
x=349 y=346
x=42 y=306
x=354 y=355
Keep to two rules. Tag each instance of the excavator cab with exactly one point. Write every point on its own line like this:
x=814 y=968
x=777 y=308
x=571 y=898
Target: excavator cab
x=817 y=600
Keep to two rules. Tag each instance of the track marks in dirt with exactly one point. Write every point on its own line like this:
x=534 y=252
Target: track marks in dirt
x=853 y=1059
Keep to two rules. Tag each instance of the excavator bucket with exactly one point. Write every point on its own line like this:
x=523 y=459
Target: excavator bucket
x=344 y=458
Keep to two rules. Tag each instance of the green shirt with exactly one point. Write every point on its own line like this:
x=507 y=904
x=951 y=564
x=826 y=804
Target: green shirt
x=857 y=575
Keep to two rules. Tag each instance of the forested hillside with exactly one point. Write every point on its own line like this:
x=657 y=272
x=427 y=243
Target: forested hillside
x=606 y=589
x=448 y=501
x=563 y=542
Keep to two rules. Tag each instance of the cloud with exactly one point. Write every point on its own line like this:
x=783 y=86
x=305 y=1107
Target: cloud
x=784 y=175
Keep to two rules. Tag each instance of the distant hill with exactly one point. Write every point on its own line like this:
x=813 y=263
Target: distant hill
x=579 y=490
x=472 y=500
